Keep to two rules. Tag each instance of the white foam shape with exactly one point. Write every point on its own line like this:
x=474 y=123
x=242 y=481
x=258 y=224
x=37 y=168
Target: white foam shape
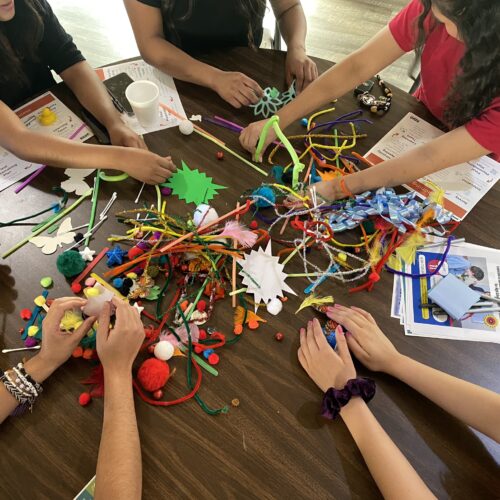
x=76 y=182
x=263 y=275
x=49 y=244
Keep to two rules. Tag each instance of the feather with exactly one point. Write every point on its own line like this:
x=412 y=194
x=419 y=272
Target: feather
x=375 y=253
x=314 y=300
x=408 y=250
x=240 y=233
x=437 y=194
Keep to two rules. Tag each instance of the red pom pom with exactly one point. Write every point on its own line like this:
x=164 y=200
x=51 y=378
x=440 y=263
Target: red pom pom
x=153 y=374
x=84 y=399
x=279 y=336
x=151 y=348
x=25 y=314
x=198 y=349
x=201 y=306
x=202 y=335
x=254 y=224
x=158 y=394
x=76 y=288
x=219 y=155
x=374 y=277
x=213 y=359
x=134 y=252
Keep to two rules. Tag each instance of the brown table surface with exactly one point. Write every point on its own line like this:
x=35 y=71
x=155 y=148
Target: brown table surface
x=275 y=445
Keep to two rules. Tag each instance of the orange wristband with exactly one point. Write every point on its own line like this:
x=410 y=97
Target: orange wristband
x=344 y=189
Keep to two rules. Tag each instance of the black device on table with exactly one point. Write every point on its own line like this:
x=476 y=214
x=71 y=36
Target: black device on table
x=116 y=86
x=364 y=87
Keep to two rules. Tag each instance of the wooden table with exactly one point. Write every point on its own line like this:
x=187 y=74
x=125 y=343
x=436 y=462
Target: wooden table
x=275 y=445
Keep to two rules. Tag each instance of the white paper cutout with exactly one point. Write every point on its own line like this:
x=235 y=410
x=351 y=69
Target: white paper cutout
x=76 y=180
x=49 y=244
x=263 y=275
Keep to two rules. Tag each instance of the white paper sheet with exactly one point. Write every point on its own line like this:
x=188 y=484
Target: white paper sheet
x=464 y=184
x=12 y=169
x=139 y=70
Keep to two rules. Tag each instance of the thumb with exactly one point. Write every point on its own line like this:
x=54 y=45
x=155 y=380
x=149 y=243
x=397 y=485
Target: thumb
x=84 y=328
x=103 y=328
x=342 y=348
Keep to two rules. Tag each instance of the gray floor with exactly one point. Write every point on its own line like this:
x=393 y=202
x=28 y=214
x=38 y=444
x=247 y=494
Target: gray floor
x=335 y=28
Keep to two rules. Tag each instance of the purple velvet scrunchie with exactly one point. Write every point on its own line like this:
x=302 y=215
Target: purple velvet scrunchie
x=335 y=399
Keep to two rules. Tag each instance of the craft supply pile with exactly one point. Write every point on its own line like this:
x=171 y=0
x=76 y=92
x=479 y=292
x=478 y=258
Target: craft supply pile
x=178 y=270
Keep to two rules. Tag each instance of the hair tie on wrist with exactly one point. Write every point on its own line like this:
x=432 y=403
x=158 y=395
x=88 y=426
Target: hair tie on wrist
x=345 y=189
x=334 y=399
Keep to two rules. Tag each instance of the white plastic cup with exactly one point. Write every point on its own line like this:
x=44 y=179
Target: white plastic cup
x=144 y=97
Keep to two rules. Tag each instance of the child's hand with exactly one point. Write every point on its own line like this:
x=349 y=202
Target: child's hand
x=121 y=135
x=300 y=68
x=365 y=339
x=321 y=362
x=327 y=190
x=249 y=137
x=57 y=346
x=117 y=348
x=145 y=166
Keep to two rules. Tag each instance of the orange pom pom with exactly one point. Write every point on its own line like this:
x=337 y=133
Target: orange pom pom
x=253 y=324
x=78 y=352
x=184 y=305
x=88 y=353
x=238 y=329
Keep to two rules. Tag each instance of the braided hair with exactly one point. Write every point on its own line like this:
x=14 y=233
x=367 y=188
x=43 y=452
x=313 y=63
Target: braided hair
x=478 y=79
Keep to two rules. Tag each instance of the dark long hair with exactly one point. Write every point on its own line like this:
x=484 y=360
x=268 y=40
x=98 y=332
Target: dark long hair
x=478 y=79
x=27 y=25
x=249 y=8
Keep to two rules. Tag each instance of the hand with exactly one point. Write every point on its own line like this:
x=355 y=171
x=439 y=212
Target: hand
x=145 y=166
x=328 y=190
x=117 y=348
x=237 y=89
x=57 y=346
x=301 y=68
x=249 y=137
x=365 y=339
x=321 y=362
x=121 y=135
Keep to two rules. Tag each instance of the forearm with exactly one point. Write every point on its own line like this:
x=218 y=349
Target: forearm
x=450 y=149
x=375 y=55
x=175 y=62
x=91 y=93
x=293 y=26
x=38 y=369
x=473 y=405
x=119 y=467
x=392 y=472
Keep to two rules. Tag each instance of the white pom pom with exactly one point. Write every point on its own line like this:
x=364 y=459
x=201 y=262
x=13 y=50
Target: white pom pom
x=204 y=214
x=164 y=350
x=186 y=127
x=274 y=306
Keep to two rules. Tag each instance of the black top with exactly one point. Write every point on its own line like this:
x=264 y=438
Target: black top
x=211 y=24
x=56 y=51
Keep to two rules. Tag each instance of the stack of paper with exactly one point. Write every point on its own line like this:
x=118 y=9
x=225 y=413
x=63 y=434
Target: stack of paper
x=478 y=267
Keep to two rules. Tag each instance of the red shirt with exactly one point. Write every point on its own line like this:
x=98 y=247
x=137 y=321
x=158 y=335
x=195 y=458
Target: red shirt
x=440 y=62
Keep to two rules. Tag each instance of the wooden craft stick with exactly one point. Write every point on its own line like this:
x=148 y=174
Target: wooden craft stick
x=60 y=215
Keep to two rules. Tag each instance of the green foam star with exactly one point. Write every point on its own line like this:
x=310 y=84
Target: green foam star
x=192 y=186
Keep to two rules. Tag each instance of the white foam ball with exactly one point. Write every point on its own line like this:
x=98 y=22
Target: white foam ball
x=274 y=306
x=186 y=127
x=204 y=214
x=164 y=350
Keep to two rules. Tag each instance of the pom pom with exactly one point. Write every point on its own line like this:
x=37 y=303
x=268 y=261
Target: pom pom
x=204 y=214
x=254 y=224
x=253 y=324
x=30 y=342
x=78 y=352
x=201 y=306
x=202 y=334
x=158 y=394
x=374 y=277
x=25 y=314
x=279 y=337
x=90 y=282
x=186 y=127
x=238 y=329
x=88 y=353
x=213 y=359
x=166 y=191
x=153 y=374
x=76 y=288
x=70 y=263
x=264 y=197
x=84 y=399
x=117 y=282
x=274 y=306
x=134 y=252
x=219 y=155
x=78 y=237
x=164 y=350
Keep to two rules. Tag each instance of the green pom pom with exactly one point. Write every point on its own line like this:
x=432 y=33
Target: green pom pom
x=70 y=263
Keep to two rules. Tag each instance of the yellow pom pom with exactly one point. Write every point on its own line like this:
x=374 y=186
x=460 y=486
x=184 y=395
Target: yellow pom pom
x=40 y=301
x=132 y=276
x=33 y=330
x=91 y=292
x=342 y=257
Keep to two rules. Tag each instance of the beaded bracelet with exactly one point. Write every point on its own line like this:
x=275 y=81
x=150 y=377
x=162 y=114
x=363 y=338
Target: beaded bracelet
x=335 y=399
x=37 y=386
x=22 y=387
